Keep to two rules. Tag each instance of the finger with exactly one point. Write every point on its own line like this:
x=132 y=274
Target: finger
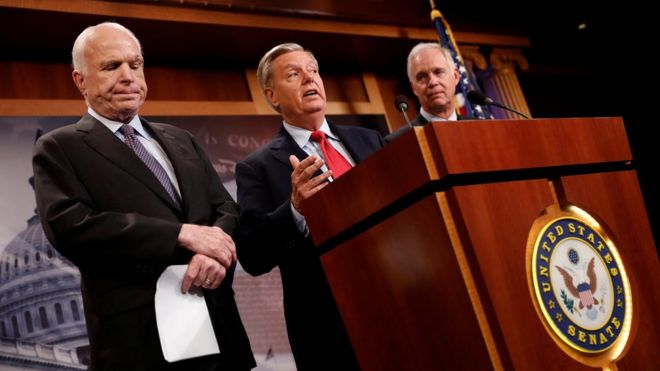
x=317 y=188
x=305 y=164
x=323 y=177
x=189 y=277
x=294 y=161
x=203 y=278
x=313 y=169
x=231 y=246
x=200 y=277
x=224 y=257
x=217 y=280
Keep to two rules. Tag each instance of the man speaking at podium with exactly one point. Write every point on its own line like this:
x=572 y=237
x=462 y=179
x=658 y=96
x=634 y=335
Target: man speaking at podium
x=306 y=154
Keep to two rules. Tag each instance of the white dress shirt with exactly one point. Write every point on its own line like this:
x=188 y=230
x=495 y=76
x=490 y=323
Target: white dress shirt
x=431 y=118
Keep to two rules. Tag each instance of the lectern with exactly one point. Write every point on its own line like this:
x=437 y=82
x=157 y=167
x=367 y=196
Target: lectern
x=425 y=244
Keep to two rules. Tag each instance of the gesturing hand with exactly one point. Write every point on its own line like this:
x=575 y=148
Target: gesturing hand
x=303 y=182
x=210 y=241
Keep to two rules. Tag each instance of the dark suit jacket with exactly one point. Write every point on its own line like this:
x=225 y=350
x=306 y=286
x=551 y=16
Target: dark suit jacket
x=102 y=208
x=268 y=238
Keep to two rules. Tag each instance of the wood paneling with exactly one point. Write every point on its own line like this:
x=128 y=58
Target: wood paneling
x=188 y=84
x=522 y=144
x=609 y=197
x=46 y=88
x=497 y=219
x=236 y=19
x=401 y=292
x=32 y=80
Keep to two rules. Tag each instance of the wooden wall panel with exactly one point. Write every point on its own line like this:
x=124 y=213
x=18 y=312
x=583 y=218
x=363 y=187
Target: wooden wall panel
x=189 y=84
x=34 y=80
x=501 y=215
x=405 y=285
x=344 y=87
x=628 y=225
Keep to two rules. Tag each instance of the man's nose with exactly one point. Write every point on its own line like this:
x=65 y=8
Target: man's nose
x=126 y=73
x=433 y=80
x=307 y=77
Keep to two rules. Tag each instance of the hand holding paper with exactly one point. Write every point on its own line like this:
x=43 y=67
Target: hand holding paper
x=184 y=324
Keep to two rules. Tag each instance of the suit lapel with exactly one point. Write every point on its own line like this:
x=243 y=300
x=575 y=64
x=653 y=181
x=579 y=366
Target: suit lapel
x=352 y=143
x=284 y=146
x=103 y=141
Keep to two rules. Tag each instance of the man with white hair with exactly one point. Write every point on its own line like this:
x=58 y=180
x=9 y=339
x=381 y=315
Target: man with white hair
x=123 y=198
x=433 y=78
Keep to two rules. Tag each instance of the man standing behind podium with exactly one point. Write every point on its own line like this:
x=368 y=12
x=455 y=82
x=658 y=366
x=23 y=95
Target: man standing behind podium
x=274 y=180
x=123 y=198
x=433 y=78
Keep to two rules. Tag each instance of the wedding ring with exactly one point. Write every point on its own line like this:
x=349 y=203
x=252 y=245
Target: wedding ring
x=207 y=282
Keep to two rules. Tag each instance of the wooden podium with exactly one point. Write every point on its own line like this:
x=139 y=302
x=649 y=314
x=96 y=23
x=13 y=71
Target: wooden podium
x=424 y=242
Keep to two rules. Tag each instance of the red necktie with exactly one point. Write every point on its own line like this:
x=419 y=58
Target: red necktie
x=336 y=162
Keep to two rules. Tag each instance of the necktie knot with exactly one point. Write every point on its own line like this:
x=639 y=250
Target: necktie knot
x=318 y=136
x=335 y=161
x=127 y=130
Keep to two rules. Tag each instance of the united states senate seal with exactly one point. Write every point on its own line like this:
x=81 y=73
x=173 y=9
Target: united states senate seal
x=579 y=285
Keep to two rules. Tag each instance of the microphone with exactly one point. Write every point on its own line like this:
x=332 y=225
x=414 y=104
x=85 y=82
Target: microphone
x=401 y=103
x=479 y=98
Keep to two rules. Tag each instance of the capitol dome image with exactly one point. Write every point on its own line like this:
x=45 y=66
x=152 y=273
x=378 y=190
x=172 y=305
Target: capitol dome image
x=42 y=324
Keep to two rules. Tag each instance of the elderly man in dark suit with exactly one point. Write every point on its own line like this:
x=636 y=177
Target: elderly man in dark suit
x=274 y=180
x=433 y=78
x=124 y=198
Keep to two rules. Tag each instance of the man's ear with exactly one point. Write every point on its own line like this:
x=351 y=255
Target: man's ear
x=79 y=80
x=270 y=95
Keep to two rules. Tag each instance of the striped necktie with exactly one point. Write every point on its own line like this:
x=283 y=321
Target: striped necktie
x=132 y=141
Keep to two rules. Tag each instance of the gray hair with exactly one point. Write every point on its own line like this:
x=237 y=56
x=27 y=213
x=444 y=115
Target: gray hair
x=264 y=73
x=423 y=46
x=78 y=51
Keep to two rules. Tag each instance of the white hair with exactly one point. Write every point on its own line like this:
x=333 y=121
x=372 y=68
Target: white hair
x=423 y=46
x=78 y=51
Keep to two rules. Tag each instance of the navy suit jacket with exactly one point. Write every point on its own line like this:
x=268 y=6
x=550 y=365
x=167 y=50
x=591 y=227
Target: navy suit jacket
x=103 y=209
x=269 y=238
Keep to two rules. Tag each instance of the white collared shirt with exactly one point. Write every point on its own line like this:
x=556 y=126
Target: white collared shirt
x=301 y=137
x=431 y=118
x=146 y=139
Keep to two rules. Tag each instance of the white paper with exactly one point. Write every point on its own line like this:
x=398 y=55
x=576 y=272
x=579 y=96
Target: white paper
x=183 y=320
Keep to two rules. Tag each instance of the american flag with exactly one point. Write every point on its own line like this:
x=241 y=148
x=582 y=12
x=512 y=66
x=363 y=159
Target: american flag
x=466 y=80
x=585 y=294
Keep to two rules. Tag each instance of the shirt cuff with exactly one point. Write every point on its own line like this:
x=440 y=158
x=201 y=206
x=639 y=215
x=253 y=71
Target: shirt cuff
x=300 y=221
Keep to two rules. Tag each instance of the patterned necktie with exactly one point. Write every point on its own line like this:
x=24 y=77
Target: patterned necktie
x=336 y=162
x=134 y=143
